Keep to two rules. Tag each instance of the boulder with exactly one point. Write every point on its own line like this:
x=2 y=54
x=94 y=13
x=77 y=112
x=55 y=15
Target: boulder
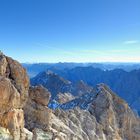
x=40 y=95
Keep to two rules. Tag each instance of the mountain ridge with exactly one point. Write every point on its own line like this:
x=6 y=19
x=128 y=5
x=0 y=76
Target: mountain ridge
x=125 y=84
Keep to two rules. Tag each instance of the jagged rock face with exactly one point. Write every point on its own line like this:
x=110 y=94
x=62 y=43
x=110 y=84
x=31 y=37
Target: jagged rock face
x=76 y=124
x=14 y=121
x=9 y=96
x=115 y=115
x=37 y=114
x=105 y=117
x=14 y=84
x=19 y=78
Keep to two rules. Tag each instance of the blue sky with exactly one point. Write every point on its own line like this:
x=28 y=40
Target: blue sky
x=70 y=30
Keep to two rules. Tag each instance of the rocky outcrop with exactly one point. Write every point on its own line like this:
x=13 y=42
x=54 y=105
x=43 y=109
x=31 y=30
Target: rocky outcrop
x=105 y=117
x=14 y=84
x=40 y=95
x=37 y=114
x=115 y=116
x=9 y=96
x=18 y=76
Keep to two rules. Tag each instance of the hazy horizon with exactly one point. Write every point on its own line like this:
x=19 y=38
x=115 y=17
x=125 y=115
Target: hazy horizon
x=114 y=63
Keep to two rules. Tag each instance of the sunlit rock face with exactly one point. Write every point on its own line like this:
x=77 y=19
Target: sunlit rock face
x=5 y=134
x=14 y=84
x=105 y=117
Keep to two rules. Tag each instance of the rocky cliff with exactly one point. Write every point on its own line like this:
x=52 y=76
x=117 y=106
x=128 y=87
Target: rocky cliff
x=14 y=84
x=95 y=115
x=100 y=115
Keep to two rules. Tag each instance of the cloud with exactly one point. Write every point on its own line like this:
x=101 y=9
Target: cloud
x=131 y=42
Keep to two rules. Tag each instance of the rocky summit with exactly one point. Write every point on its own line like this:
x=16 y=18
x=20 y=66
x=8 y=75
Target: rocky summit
x=97 y=113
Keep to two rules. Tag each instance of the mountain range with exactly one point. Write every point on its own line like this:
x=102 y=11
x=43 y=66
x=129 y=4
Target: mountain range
x=78 y=111
x=125 y=84
x=35 y=68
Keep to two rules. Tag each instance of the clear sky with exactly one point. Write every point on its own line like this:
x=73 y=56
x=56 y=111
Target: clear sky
x=70 y=30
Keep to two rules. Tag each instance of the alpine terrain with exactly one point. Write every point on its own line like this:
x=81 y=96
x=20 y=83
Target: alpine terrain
x=57 y=109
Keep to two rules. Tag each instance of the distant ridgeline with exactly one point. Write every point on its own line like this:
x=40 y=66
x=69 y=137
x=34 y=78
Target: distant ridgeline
x=34 y=69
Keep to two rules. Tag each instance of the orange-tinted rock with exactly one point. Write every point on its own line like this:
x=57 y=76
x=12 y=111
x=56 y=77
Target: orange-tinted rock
x=9 y=96
x=14 y=85
x=13 y=121
x=19 y=78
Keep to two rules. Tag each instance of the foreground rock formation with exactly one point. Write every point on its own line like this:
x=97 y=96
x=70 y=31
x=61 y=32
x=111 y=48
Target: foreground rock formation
x=14 y=84
x=95 y=114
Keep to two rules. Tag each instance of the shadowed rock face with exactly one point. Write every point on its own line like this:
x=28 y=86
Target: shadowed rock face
x=37 y=114
x=57 y=85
